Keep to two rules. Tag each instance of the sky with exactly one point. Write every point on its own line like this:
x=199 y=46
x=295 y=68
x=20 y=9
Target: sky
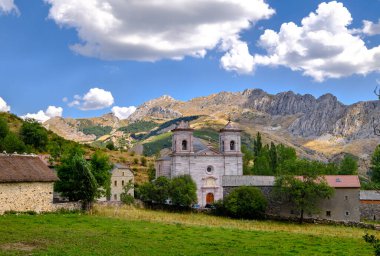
x=75 y=58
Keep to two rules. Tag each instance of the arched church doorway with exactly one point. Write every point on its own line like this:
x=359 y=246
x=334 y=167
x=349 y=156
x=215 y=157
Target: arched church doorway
x=210 y=198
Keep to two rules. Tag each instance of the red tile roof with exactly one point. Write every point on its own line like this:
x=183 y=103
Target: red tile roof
x=24 y=168
x=343 y=181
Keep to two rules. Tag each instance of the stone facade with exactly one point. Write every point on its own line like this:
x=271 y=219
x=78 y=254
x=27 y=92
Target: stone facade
x=344 y=205
x=204 y=164
x=370 y=204
x=26 y=196
x=120 y=177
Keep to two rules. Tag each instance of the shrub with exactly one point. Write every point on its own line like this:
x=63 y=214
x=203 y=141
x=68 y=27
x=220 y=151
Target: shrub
x=246 y=203
x=135 y=160
x=143 y=161
x=183 y=191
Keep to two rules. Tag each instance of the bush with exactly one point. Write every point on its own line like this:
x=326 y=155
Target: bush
x=135 y=160
x=245 y=202
x=143 y=161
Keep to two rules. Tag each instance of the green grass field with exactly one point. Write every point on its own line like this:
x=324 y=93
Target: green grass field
x=130 y=231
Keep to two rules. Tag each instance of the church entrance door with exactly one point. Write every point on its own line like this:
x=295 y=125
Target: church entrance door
x=210 y=198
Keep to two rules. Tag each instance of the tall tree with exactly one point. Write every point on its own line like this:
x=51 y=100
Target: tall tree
x=100 y=167
x=262 y=164
x=183 y=191
x=375 y=165
x=285 y=153
x=12 y=143
x=273 y=157
x=348 y=166
x=257 y=145
x=247 y=160
x=302 y=192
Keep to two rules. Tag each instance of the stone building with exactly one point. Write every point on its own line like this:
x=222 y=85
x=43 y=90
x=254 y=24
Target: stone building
x=203 y=163
x=26 y=184
x=342 y=206
x=120 y=176
x=370 y=204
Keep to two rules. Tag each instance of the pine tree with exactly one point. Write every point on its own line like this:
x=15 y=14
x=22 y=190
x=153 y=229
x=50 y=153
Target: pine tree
x=257 y=145
x=273 y=157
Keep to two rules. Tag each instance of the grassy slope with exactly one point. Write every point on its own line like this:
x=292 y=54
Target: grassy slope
x=143 y=232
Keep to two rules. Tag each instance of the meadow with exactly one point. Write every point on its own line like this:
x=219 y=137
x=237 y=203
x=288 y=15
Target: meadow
x=133 y=231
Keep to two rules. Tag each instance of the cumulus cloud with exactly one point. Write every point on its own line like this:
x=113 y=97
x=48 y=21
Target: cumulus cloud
x=370 y=28
x=94 y=99
x=123 y=112
x=322 y=47
x=156 y=29
x=8 y=6
x=43 y=116
x=3 y=106
x=237 y=57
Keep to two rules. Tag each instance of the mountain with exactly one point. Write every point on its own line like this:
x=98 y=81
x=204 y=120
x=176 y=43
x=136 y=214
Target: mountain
x=317 y=127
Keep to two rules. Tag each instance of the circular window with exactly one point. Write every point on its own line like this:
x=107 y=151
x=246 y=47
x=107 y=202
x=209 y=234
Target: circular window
x=209 y=169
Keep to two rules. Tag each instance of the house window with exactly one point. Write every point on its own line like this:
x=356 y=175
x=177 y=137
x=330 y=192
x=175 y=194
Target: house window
x=291 y=211
x=232 y=145
x=115 y=183
x=123 y=173
x=122 y=182
x=328 y=213
x=346 y=197
x=115 y=197
x=184 y=145
x=222 y=145
x=347 y=213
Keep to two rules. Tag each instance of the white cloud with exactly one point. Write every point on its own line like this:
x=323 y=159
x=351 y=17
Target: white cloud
x=123 y=112
x=322 y=47
x=370 y=28
x=237 y=57
x=155 y=29
x=8 y=6
x=94 y=99
x=43 y=116
x=3 y=106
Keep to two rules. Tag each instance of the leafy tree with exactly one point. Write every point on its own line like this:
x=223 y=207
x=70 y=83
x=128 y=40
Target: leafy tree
x=261 y=165
x=257 y=145
x=183 y=191
x=303 y=193
x=125 y=197
x=245 y=202
x=76 y=180
x=12 y=143
x=375 y=165
x=4 y=128
x=285 y=153
x=101 y=166
x=151 y=172
x=145 y=192
x=82 y=180
x=34 y=134
x=348 y=166
x=161 y=190
x=247 y=160
x=273 y=157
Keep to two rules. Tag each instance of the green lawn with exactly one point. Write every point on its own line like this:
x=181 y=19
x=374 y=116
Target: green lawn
x=75 y=234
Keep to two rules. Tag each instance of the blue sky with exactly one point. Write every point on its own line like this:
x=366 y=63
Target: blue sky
x=54 y=49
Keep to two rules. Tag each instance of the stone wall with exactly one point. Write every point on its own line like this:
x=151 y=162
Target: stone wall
x=369 y=211
x=26 y=196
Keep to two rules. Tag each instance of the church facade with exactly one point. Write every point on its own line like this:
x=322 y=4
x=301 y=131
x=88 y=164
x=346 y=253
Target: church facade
x=204 y=164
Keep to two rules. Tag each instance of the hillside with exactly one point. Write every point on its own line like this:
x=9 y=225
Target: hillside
x=319 y=128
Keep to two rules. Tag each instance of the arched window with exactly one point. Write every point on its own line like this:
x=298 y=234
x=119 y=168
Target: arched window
x=222 y=145
x=184 y=145
x=232 y=145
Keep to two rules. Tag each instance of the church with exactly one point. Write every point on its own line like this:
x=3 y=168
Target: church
x=206 y=165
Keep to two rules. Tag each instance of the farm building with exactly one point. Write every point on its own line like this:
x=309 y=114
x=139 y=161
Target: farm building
x=26 y=184
x=370 y=204
x=120 y=176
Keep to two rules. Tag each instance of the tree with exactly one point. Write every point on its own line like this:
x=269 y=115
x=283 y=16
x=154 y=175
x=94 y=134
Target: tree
x=82 y=180
x=12 y=143
x=247 y=160
x=183 y=191
x=302 y=192
x=375 y=165
x=257 y=145
x=110 y=145
x=34 y=134
x=143 y=161
x=273 y=157
x=348 y=166
x=261 y=165
x=285 y=153
x=246 y=203
x=161 y=190
x=4 y=128
x=126 y=197
x=76 y=180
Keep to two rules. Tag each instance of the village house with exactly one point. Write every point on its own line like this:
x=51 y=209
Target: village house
x=121 y=175
x=342 y=206
x=370 y=204
x=26 y=184
x=204 y=164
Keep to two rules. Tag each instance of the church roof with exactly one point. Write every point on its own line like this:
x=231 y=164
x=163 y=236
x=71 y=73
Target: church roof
x=183 y=126
x=230 y=127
